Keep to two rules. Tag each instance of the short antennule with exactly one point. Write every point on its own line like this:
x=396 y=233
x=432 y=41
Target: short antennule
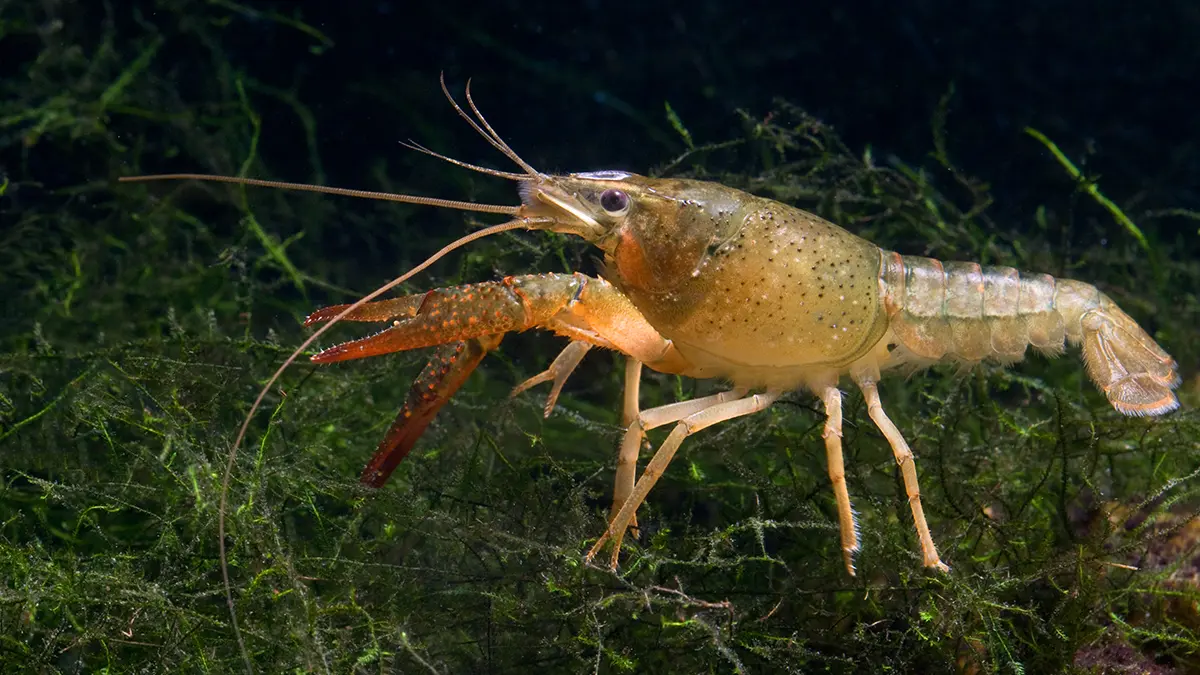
x=486 y=130
x=481 y=127
x=510 y=175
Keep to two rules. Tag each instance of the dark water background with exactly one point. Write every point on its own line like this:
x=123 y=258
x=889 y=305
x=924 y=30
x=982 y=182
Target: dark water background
x=580 y=86
x=1112 y=75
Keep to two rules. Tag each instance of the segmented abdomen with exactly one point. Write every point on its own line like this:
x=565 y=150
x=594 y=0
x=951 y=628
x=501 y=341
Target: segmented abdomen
x=964 y=311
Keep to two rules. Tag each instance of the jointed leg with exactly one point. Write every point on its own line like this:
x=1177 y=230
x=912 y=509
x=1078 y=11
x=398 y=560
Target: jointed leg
x=908 y=469
x=698 y=414
x=560 y=369
x=631 y=442
x=847 y=526
x=635 y=433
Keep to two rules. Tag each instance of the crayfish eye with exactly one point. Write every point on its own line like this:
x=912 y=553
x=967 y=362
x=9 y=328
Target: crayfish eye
x=614 y=202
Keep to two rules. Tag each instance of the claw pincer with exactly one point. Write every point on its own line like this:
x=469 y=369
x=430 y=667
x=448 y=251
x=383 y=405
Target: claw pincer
x=460 y=313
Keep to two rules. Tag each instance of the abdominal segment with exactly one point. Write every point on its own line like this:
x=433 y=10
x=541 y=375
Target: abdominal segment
x=966 y=312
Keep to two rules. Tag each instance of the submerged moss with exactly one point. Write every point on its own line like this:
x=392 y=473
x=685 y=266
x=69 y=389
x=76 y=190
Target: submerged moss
x=141 y=321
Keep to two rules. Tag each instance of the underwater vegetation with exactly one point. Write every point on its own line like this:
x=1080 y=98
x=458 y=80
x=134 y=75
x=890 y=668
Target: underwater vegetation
x=140 y=321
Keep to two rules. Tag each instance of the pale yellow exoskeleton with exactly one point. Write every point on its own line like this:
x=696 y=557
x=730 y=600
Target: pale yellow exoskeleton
x=706 y=281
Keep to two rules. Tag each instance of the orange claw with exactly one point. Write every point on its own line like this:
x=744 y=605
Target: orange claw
x=447 y=315
x=465 y=322
x=442 y=376
x=468 y=321
x=381 y=310
x=447 y=369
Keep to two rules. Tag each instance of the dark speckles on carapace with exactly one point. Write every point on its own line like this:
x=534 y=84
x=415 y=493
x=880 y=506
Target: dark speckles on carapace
x=770 y=287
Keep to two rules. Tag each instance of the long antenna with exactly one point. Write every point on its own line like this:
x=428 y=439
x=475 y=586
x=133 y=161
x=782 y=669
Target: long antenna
x=323 y=189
